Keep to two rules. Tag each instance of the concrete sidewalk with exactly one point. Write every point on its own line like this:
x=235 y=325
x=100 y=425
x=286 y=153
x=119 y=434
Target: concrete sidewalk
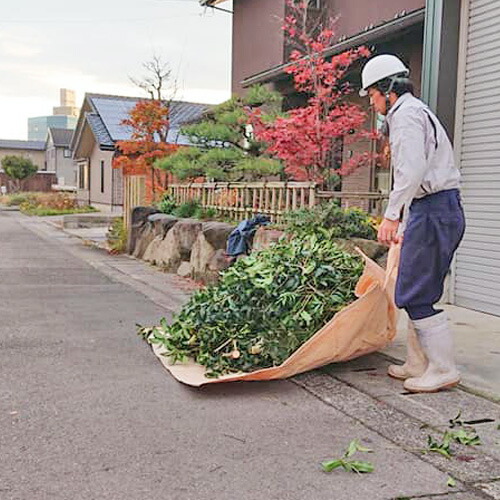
x=477 y=341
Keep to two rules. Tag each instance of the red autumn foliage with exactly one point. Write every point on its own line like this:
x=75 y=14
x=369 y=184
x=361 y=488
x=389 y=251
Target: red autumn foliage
x=149 y=121
x=306 y=137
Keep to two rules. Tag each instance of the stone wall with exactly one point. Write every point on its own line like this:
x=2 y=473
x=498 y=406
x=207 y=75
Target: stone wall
x=188 y=247
x=196 y=249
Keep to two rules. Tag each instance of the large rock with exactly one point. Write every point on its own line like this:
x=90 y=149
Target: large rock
x=266 y=237
x=145 y=236
x=167 y=253
x=208 y=255
x=218 y=263
x=201 y=254
x=162 y=223
x=370 y=248
x=140 y=214
x=139 y=218
x=186 y=231
x=217 y=233
x=185 y=269
x=151 y=253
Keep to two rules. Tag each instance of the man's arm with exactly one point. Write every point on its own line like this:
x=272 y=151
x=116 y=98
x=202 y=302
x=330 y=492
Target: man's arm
x=410 y=165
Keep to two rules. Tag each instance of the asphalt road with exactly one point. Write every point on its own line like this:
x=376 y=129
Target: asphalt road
x=87 y=412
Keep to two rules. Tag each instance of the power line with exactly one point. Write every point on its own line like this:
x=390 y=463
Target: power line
x=97 y=20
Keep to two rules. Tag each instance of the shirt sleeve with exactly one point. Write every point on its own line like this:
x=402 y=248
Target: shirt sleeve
x=407 y=139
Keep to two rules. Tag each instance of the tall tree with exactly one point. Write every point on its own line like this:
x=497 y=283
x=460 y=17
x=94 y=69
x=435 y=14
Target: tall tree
x=149 y=121
x=157 y=81
x=225 y=147
x=305 y=138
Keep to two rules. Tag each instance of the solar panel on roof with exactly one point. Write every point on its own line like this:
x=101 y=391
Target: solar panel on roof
x=113 y=111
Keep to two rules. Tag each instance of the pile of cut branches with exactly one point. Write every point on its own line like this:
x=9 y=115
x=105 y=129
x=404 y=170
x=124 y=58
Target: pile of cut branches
x=264 y=307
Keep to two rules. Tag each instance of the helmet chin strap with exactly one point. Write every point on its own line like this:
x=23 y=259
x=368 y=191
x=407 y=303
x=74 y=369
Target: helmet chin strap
x=387 y=94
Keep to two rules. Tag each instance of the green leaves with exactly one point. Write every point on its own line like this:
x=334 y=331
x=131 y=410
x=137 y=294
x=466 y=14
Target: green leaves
x=466 y=436
x=226 y=149
x=441 y=447
x=332 y=221
x=357 y=466
x=264 y=300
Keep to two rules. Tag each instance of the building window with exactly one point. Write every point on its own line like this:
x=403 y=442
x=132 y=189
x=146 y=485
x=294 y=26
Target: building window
x=67 y=153
x=81 y=176
x=102 y=176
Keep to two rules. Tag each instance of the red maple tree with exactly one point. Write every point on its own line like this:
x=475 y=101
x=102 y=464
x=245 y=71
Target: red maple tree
x=305 y=138
x=149 y=121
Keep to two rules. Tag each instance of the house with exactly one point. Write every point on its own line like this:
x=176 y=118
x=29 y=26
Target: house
x=260 y=53
x=458 y=65
x=463 y=47
x=35 y=151
x=94 y=144
x=58 y=157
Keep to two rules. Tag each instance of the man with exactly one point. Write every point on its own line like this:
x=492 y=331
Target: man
x=426 y=182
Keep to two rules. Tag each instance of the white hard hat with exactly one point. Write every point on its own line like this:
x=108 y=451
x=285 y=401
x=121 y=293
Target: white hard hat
x=380 y=67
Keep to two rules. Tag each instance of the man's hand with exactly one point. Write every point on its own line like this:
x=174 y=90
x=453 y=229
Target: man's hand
x=388 y=232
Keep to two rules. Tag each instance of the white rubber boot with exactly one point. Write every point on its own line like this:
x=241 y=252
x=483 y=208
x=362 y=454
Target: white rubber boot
x=416 y=361
x=437 y=343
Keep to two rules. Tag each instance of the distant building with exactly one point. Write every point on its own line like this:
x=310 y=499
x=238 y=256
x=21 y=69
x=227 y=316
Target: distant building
x=34 y=150
x=93 y=144
x=58 y=157
x=65 y=117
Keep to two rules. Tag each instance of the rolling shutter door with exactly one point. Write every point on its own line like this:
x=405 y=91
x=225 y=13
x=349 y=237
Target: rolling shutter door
x=477 y=271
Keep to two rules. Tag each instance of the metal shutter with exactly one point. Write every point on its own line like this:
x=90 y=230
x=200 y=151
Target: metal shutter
x=477 y=267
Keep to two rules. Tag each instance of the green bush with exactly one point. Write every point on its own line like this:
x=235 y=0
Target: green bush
x=187 y=209
x=117 y=236
x=18 y=168
x=14 y=200
x=205 y=213
x=332 y=221
x=167 y=204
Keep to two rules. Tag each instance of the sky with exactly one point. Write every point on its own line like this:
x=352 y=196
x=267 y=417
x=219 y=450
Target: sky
x=97 y=45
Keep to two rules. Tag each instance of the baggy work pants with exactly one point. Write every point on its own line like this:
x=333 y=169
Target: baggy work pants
x=435 y=228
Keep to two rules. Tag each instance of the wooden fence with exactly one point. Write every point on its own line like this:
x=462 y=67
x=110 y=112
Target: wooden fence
x=134 y=195
x=246 y=199
x=41 y=181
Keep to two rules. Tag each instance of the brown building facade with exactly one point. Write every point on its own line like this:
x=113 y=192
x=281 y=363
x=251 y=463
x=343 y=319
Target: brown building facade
x=260 y=51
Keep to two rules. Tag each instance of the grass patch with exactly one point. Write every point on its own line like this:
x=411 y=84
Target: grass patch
x=117 y=236
x=42 y=211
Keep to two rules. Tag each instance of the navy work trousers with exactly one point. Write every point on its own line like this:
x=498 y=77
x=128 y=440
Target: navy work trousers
x=435 y=228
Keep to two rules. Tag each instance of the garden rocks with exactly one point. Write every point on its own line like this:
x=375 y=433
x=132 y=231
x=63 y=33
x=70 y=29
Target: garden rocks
x=217 y=233
x=162 y=223
x=185 y=270
x=137 y=224
x=265 y=237
x=166 y=252
x=186 y=231
x=370 y=248
x=208 y=256
x=145 y=236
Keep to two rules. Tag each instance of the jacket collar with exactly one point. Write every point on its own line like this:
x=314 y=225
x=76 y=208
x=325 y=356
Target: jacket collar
x=384 y=130
x=401 y=100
